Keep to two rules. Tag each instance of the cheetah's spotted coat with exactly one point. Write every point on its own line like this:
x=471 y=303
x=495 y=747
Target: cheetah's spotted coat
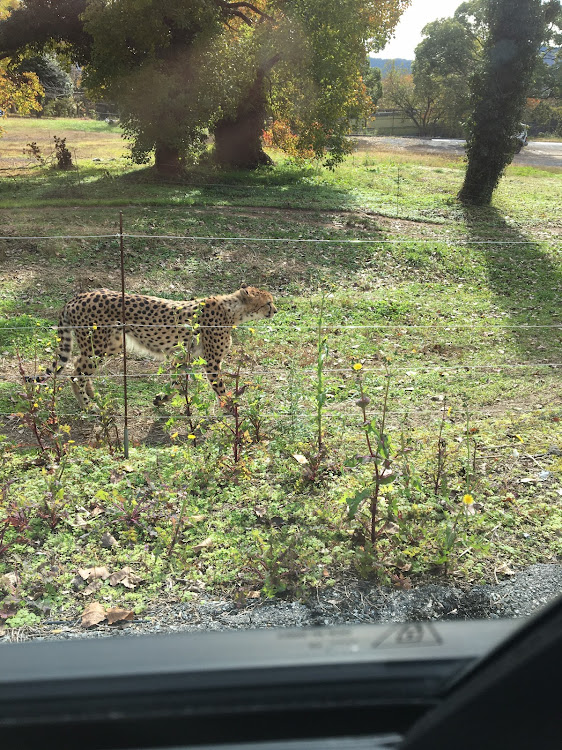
x=155 y=326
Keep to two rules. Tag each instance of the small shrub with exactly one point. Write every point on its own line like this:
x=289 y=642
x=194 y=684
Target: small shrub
x=62 y=154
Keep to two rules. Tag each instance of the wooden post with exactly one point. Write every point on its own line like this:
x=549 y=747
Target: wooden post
x=126 y=426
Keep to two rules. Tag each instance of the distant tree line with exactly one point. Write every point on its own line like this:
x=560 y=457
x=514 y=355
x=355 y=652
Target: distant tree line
x=436 y=95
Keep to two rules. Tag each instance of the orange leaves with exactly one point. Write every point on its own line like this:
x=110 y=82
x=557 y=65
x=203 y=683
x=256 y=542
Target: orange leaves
x=20 y=91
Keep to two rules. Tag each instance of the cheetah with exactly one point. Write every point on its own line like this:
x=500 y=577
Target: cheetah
x=153 y=326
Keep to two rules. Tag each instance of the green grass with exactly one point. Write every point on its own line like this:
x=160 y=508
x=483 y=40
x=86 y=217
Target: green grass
x=462 y=307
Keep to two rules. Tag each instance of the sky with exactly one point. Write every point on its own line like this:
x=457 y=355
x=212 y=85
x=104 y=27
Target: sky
x=408 y=32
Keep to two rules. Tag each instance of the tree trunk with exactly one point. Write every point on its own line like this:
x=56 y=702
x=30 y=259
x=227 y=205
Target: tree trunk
x=517 y=28
x=238 y=139
x=167 y=160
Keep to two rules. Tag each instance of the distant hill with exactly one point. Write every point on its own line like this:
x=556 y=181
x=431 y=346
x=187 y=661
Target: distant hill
x=382 y=63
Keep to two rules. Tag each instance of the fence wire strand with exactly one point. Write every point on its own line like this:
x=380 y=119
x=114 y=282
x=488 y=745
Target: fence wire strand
x=289 y=240
x=444 y=326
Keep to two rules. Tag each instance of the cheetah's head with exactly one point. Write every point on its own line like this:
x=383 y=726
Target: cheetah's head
x=257 y=303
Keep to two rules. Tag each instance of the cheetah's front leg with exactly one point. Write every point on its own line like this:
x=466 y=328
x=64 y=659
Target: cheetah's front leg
x=80 y=380
x=215 y=348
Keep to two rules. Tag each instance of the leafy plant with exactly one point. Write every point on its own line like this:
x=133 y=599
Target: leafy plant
x=62 y=154
x=38 y=412
x=379 y=457
x=13 y=523
x=52 y=508
x=34 y=151
x=106 y=432
x=238 y=429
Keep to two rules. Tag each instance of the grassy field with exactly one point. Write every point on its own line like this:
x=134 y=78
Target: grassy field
x=447 y=319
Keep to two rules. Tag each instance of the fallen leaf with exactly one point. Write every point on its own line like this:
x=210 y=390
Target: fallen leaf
x=115 y=614
x=93 y=615
x=505 y=570
x=206 y=544
x=108 y=540
x=253 y=595
x=94 y=573
x=401 y=582
x=9 y=581
x=196 y=519
x=391 y=528
x=126 y=577
x=299 y=458
x=405 y=567
x=91 y=588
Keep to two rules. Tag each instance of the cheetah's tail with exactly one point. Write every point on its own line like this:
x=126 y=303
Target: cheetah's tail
x=64 y=337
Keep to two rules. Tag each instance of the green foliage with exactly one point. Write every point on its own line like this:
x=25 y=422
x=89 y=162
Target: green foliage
x=157 y=58
x=55 y=81
x=23 y=618
x=444 y=61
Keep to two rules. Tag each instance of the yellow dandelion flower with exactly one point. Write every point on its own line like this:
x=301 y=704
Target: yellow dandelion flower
x=357 y=366
x=252 y=330
x=468 y=499
x=192 y=437
x=174 y=436
x=94 y=327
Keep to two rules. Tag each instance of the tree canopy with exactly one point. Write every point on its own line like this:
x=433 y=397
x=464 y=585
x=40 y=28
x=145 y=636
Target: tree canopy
x=178 y=70
x=19 y=90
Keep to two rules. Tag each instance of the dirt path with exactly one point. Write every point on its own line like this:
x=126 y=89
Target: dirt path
x=536 y=154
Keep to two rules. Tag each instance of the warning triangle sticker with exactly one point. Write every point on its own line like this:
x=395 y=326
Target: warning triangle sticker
x=409 y=634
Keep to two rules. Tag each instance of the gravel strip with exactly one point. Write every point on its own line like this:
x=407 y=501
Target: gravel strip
x=350 y=602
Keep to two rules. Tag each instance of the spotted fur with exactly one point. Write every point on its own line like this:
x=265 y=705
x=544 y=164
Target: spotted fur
x=153 y=326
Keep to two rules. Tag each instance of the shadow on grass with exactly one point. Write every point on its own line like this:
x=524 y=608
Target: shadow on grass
x=283 y=186
x=526 y=281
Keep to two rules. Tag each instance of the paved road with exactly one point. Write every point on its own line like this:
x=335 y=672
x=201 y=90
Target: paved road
x=536 y=154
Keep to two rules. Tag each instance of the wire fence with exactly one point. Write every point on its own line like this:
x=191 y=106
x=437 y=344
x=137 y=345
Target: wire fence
x=273 y=370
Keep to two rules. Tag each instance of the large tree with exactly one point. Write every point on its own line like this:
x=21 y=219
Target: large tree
x=20 y=91
x=444 y=60
x=180 y=69
x=437 y=98
x=516 y=30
